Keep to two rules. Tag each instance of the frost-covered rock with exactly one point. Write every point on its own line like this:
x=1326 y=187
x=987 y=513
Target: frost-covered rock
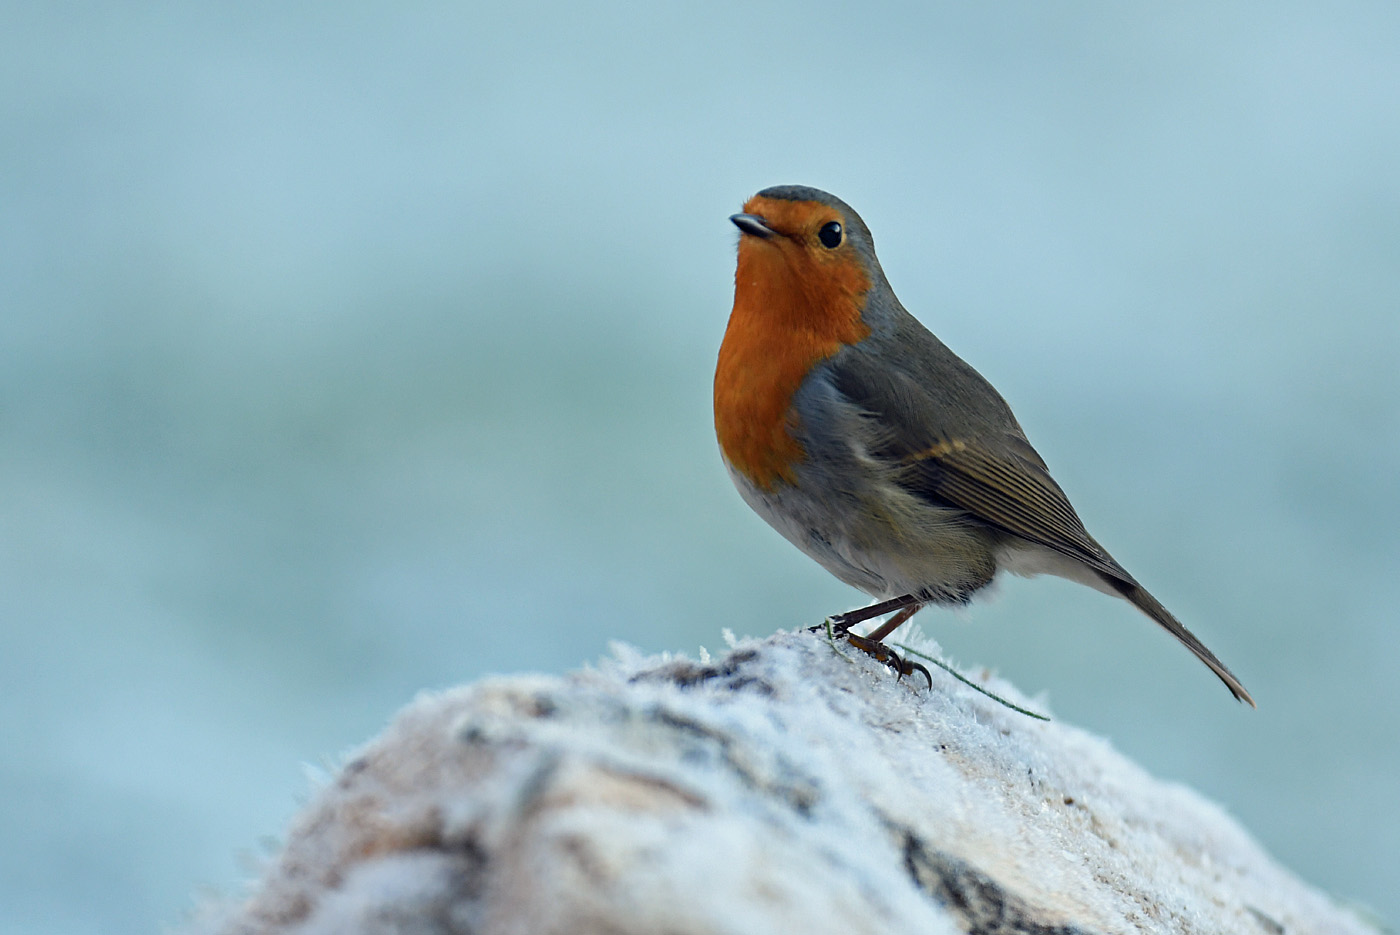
x=785 y=788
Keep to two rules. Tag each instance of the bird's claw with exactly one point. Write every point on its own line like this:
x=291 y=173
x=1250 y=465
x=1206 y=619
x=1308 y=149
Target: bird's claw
x=882 y=653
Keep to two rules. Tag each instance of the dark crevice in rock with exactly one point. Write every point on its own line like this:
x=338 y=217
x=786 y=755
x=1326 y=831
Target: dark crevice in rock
x=688 y=674
x=793 y=787
x=980 y=904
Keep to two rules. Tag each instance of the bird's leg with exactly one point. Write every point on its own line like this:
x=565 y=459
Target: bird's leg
x=840 y=623
x=894 y=623
x=872 y=644
x=906 y=607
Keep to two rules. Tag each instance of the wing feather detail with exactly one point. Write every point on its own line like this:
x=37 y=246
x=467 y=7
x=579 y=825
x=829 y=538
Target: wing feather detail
x=980 y=463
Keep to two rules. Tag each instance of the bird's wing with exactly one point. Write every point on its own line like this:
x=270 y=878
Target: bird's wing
x=983 y=466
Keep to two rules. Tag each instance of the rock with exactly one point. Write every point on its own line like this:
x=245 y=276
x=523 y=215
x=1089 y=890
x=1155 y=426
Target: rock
x=783 y=788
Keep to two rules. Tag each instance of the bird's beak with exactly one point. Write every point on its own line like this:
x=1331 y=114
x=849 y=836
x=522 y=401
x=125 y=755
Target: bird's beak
x=753 y=224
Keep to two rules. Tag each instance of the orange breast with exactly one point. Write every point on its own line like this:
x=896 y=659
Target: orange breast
x=790 y=313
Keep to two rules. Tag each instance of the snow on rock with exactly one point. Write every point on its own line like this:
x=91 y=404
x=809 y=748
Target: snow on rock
x=786 y=787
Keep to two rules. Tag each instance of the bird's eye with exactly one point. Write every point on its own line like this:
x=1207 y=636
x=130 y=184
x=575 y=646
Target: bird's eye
x=830 y=235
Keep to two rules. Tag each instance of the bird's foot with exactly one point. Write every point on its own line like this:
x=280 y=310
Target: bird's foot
x=882 y=653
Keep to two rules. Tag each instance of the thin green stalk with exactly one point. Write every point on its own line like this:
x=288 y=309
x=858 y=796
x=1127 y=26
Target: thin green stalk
x=971 y=684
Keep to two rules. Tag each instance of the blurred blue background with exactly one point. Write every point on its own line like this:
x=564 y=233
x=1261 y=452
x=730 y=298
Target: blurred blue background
x=351 y=350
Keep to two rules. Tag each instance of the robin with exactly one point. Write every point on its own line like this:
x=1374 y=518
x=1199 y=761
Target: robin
x=872 y=447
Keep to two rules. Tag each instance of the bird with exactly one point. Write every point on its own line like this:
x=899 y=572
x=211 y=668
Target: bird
x=868 y=444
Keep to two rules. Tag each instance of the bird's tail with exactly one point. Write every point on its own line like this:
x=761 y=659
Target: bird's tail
x=1149 y=605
